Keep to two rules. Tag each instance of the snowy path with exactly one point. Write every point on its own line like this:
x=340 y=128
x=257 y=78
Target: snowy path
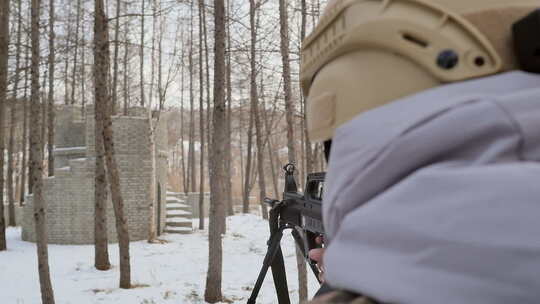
x=174 y=272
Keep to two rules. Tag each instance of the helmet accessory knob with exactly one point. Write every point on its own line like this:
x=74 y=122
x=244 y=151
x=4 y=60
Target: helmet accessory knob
x=448 y=59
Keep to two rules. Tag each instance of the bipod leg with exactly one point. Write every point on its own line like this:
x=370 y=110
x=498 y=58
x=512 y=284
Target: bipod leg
x=303 y=246
x=274 y=259
x=280 y=277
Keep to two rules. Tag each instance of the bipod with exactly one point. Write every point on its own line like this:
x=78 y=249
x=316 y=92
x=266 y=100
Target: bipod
x=274 y=257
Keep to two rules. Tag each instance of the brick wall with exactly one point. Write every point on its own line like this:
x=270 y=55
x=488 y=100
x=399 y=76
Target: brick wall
x=69 y=195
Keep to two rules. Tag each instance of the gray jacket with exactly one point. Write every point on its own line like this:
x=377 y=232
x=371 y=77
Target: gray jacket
x=435 y=198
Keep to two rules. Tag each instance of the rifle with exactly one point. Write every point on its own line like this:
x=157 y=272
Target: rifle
x=300 y=212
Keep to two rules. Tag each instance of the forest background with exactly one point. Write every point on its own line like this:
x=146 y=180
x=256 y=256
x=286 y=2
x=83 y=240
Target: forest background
x=184 y=58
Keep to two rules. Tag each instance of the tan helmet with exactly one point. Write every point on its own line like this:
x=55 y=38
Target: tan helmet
x=366 y=53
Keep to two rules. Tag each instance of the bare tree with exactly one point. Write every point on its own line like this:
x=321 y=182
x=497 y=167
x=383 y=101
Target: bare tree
x=247 y=175
x=141 y=68
x=103 y=113
x=76 y=55
x=153 y=50
x=207 y=74
x=50 y=141
x=83 y=64
x=66 y=54
x=4 y=42
x=47 y=295
x=152 y=232
x=101 y=251
x=228 y=146
x=218 y=176
x=125 y=65
x=115 y=60
x=24 y=163
x=182 y=129
x=307 y=143
x=191 y=148
x=201 y=117
x=44 y=107
x=289 y=110
x=255 y=108
x=13 y=109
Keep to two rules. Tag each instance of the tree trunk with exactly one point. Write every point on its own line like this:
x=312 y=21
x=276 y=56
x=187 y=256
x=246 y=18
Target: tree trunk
x=228 y=145
x=182 y=129
x=76 y=57
x=50 y=141
x=115 y=60
x=44 y=107
x=47 y=295
x=289 y=110
x=218 y=176
x=102 y=102
x=101 y=250
x=9 y=184
x=241 y=123
x=153 y=52
x=273 y=169
x=83 y=65
x=271 y=152
x=4 y=42
x=24 y=164
x=152 y=233
x=101 y=256
x=247 y=176
x=207 y=65
x=255 y=109
x=66 y=54
x=125 y=64
x=17 y=177
x=11 y=190
x=307 y=141
x=201 y=117
x=141 y=67
x=191 y=148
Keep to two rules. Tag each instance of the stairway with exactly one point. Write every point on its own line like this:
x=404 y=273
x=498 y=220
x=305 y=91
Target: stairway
x=178 y=215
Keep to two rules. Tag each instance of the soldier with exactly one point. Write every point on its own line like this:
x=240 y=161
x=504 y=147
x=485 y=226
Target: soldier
x=433 y=117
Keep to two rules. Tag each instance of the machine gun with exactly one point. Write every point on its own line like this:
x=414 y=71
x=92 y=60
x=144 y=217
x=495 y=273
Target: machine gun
x=302 y=213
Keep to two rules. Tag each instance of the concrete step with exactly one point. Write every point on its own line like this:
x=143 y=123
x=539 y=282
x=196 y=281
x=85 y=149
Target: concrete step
x=178 y=206
x=178 y=230
x=62 y=172
x=171 y=199
x=177 y=217
x=175 y=223
x=179 y=203
x=178 y=213
x=177 y=195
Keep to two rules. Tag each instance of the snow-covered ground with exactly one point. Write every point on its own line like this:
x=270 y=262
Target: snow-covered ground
x=174 y=272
